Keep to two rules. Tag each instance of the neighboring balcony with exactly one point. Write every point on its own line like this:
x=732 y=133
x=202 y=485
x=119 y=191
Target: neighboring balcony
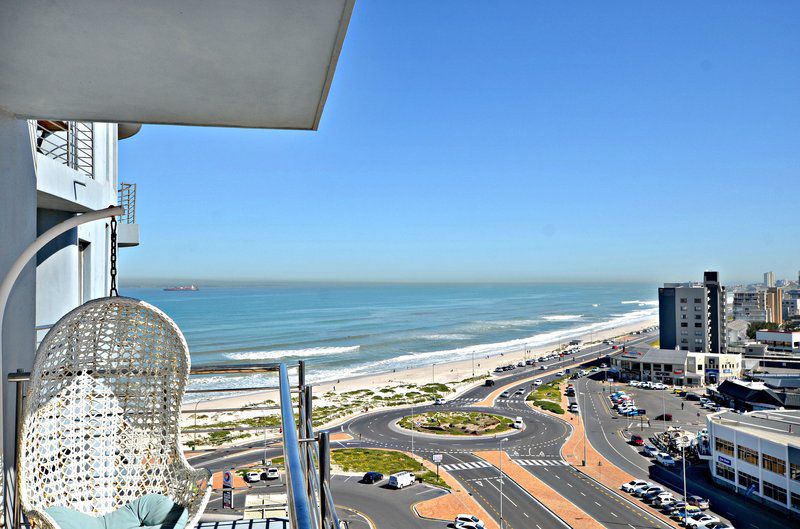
x=127 y=229
x=68 y=142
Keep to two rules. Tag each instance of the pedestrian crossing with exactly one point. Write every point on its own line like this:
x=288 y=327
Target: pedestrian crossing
x=466 y=466
x=464 y=400
x=511 y=401
x=541 y=462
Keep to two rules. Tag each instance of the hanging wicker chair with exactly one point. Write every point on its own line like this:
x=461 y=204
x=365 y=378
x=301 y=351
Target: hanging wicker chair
x=102 y=418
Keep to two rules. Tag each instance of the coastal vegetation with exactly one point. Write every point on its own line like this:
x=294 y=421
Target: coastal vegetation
x=384 y=461
x=548 y=396
x=456 y=423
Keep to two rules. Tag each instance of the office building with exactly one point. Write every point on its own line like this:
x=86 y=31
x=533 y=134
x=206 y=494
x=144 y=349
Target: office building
x=769 y=279
x=757 y=454
x=692 y=315
x=681 y=368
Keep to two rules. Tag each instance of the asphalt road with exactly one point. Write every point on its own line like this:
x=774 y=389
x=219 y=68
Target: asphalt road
x=609 y=434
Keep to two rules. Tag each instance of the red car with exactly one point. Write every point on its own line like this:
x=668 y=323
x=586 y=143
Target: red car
x=615 y=346
x=637 y=440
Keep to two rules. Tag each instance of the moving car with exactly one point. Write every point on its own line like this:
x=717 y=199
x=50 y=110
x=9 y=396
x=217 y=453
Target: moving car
x=518 y=423
x=603 y=366
x=489 y=382
x=520 y=391
x=631 y=485
x=560 y=374
x=372 y=477
x=537 y=382
x=253 y=476
x=664 y=417
x=665 y=459
x=439 y=402
x=637 y=440
x=401 y=479
x=505 y=394
x=271 y=473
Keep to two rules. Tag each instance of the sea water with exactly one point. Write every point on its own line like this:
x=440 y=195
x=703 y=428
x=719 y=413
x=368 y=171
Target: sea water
x=344 y=330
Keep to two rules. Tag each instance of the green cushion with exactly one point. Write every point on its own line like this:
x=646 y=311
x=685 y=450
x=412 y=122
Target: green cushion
x=153 y=511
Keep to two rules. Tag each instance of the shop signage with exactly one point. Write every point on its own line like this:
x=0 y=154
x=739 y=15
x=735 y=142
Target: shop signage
x=724 y=460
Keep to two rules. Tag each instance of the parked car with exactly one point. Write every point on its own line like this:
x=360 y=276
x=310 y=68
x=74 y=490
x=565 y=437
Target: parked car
x=401 y=479
x=530 y=362
x=637 y=440
x=629 y=486
x=664 y=459
x=270 y=474
x=664 y=417
x=677 y=514
x=603 y=366
x=650 y=450
x=372 y=477
x=692 y=396
x=666 y=502
x=467 y=521
x=573 y=407
x=651 y=494
x=698 y=501
x=518 y=423
x=641 y=488
x=715 y=525
x=252 y=476
x=650 y=489
x=498 y=369
x=520 y=364
x=700 y=519
x=659 y=385
x=673 y=507
x=542 y=367
x=661 y=497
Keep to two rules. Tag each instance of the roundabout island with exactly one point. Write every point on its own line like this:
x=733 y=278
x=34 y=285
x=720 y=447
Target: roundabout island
x=456 y=423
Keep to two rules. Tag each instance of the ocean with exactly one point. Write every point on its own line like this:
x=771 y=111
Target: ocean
x=345 y=330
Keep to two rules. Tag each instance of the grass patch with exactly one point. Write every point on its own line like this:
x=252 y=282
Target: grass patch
x=549 y=405
x=548 y=397
x=383 y=461
x=457 y=423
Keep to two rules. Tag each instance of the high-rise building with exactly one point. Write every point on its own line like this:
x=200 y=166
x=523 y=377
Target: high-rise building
x=775 y=304
x=692 y=315
x=750 y=305
x=769 y=279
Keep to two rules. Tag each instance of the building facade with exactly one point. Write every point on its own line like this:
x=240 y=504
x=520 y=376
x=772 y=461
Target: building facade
x=751 y=306
x=757 y=454
x=769 y=279
x=774 y=302
x=692 y=315
x=780 y=342
x=680 y=368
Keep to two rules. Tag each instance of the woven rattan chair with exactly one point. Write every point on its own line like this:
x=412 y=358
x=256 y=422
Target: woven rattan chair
x=102 y=418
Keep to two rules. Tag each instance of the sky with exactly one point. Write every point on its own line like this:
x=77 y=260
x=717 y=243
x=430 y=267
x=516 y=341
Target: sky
x=501 y=141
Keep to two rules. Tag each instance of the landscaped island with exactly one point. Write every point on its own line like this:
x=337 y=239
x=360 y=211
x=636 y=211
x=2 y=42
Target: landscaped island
x=456 y=423
x=386 y=462
x=548 y=396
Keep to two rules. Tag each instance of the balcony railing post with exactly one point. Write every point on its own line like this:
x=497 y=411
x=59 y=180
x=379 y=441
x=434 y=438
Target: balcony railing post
x=309 y=432
x=20 y=386
x=324 y=476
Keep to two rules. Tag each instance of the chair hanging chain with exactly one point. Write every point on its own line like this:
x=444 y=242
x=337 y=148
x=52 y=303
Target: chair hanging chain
x=113 y=290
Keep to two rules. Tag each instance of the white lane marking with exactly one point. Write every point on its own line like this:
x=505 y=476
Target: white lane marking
x=526 y=515
x=612 y=514
x=504 y=494
x=597 y=504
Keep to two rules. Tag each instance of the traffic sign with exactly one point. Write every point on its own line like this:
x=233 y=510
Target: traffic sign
x=437 y=458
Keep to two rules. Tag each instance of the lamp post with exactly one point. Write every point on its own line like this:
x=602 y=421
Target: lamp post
x=501 y=481
x=582 y=413
x=683 y=461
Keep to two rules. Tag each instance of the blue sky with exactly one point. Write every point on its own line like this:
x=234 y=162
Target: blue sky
x=513 y=141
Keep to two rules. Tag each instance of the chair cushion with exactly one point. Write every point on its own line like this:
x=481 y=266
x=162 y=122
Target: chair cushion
x=152 y=511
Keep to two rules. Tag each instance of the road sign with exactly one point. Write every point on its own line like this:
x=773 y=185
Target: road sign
x=437 y=458
x=227 y=479
x=227 y=499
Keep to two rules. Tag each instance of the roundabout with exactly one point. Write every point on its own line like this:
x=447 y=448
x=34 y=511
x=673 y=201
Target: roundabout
x=458 y=424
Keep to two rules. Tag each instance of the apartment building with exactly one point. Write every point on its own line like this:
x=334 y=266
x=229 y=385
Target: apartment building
x=769 y=279
x=757 y=454
x=751 y=306
x=692 y=315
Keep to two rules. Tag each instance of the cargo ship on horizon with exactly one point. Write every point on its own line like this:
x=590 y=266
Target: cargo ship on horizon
x=182 y=288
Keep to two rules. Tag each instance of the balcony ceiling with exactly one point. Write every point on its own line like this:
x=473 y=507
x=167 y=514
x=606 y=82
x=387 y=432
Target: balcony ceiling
x=235 y=63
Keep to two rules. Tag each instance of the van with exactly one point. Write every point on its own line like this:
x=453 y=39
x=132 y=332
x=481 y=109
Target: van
x=401 y=479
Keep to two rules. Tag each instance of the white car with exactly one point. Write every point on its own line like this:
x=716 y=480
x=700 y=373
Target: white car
x=537 y=383
x=467 y=521
x=650 y=450
x=659 y=385
x=641 y=488
x=634 y=383
x=664 y=496
x=439 y=402
x=665 y=459
x=518 y=423
x=560 y=374
x=542 y=368
x=252 y=476
x=272 y=473
x=701 y=519
x=646 y=490
x=631 y=485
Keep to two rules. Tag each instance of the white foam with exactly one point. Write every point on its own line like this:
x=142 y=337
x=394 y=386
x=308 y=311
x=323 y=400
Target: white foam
x=651 y=303
x=563 y=317
x=291 y=353
x=454 y=336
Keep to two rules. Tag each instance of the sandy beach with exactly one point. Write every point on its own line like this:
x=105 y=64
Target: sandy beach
x=452 y=373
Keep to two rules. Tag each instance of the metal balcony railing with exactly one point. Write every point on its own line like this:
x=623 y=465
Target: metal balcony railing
x=69 y=142
x=306 y=455
x=127 y=199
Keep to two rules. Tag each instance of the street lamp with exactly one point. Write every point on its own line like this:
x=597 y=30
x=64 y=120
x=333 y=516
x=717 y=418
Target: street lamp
x=501 y=481
x=582 y=413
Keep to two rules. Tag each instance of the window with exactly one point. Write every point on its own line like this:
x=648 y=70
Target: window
x=698 y=340
x=698 y=333
x=667 y=367
x=698 y=308
x=795 y=501
x=745 y=480
x=775 y=492
x=683 y=316
x=773 y=464
x=794 y=471
x=698 y=316
x=684 y=300
x=684 y=324
x=684 y=340
x=684 y=333
x=684 y=307
x=721 y=445
x=726 y=472
x=698 y=300
x=748 y=455
x=698 y=325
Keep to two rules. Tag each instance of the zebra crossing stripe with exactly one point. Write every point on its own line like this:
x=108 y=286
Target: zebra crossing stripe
x=542 y=462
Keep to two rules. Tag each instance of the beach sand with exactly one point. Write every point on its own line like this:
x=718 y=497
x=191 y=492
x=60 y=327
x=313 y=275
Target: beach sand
x=450 y=373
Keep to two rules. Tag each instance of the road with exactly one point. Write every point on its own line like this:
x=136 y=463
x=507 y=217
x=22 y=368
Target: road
x=609 y=434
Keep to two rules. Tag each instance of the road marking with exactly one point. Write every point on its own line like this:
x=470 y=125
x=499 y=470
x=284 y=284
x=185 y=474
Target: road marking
x=614 y=515
x=526 y=515
x=597 y=504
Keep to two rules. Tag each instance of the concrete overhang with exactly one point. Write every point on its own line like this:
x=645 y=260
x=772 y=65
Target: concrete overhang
x=238 y=63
